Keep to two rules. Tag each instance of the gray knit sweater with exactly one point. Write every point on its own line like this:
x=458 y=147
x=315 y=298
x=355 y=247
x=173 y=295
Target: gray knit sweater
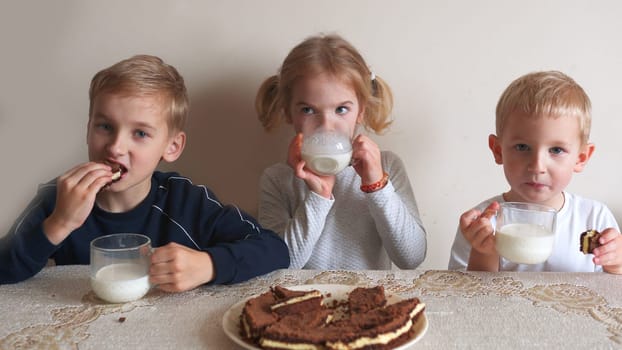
x=353 y=230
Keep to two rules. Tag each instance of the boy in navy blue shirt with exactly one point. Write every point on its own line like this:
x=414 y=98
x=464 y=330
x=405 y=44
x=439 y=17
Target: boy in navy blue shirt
x=137 y=113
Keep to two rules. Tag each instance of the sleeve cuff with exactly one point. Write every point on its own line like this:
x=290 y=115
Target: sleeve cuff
x=223 y=265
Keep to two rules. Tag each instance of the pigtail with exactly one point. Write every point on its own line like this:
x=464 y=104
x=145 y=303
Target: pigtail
x=378 y=113
x=266 y=103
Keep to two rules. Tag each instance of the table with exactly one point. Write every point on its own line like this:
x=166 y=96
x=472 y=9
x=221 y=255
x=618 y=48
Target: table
x=57 y=309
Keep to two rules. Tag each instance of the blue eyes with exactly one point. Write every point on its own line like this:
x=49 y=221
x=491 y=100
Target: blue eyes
x=521 y=147
x=341 y=110
x=105 y=127
x=109 y=129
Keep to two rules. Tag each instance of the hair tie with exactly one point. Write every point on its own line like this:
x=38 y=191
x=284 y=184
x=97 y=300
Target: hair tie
x=372 y=77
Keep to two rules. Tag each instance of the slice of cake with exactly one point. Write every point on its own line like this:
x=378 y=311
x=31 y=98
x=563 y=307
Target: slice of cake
x=293 y=301
x=261 y=311
x=257 y=315
x=381 y=328
x=589 y=241
x=297 y=331
x=364 y=299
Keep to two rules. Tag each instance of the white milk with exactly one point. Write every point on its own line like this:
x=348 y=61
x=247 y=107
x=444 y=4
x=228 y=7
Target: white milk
x=327 y=164
x=524 y=243
x=120 y=283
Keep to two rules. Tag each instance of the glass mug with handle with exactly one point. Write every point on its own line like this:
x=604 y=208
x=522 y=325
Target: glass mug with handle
x=525 y=232
x=326 y=146
x=120 y=267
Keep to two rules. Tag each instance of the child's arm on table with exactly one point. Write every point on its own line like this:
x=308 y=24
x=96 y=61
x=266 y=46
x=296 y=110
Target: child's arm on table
x=230 y=247
x=177 y=268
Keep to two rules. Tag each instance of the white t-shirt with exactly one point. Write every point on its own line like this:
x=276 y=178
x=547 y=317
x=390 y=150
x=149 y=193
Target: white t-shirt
x=576 y=216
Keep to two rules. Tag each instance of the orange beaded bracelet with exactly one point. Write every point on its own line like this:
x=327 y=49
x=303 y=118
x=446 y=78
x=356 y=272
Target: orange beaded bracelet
x=373 y=187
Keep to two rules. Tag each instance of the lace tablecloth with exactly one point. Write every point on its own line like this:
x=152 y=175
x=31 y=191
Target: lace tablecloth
x=57 y=309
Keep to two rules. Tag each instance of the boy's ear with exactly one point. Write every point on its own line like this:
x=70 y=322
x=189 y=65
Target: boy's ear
x=88 y=130
x=495 y=147
x=585 y=153
x=175 y=147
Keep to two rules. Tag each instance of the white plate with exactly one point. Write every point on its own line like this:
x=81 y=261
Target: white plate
x=231 y=319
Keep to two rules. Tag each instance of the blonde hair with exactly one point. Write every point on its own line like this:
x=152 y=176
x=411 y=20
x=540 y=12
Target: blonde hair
x=145 y=75
x=325 y=54
x=549 y=93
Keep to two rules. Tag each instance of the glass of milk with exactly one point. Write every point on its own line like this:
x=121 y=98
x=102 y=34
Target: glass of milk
x=524 y=232
x=120 y=267
x=326 y=149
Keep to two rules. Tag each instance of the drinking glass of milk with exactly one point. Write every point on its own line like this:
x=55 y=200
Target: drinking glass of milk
x=326 y=148
x=120 y=267
x=525 y=232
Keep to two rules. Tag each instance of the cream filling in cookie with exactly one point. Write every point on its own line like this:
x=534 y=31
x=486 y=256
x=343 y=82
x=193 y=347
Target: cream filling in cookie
x=384 y=338
x=117 y=175
x=311 y=295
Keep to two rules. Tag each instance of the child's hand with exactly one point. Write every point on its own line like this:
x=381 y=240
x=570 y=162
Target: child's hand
x=177 y=268
x=609 y=254
x=75 y=197
x=477 y=229
x=322 y=185
x=366 y=159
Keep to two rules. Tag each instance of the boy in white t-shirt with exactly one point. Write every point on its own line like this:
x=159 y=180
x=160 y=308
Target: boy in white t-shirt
x=542 y=131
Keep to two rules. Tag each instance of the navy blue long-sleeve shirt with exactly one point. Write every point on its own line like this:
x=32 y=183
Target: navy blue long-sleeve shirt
x=175 y=210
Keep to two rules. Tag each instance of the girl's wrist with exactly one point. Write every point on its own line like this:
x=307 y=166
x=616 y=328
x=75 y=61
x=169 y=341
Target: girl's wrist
x=375 y=186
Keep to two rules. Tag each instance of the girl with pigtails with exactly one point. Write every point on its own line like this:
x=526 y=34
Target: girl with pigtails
x=363 y=217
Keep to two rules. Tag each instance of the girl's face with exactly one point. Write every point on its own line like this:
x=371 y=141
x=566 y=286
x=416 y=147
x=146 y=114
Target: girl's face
x=326 y=101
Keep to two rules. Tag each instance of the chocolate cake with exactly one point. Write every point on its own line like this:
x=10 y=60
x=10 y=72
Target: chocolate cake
x=257 y=315
x=295 y=330
x=292 y=301
x=589 y=241
x=380 y=328
x=368 y=323
x=365 y=299
x=264 y=310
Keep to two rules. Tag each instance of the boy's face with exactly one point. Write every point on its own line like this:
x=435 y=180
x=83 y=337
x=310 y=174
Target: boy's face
x=132 y=132
x=539 y=156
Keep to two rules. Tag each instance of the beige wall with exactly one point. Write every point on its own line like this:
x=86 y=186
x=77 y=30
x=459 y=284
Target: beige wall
x=447 y=61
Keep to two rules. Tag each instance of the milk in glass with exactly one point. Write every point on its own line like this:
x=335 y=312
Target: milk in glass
x=326 y=152
x=524 y=243
x=120 y=266
x=120 y=283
